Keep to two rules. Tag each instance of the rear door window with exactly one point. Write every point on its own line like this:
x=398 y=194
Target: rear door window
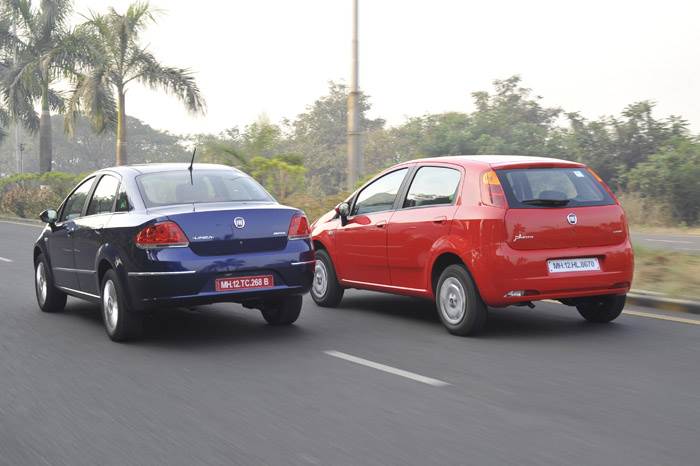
x=552 y=187
x=103 y=198
x=432 y=186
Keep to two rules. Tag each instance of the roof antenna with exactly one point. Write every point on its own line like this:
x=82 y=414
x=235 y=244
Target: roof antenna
x=191 y=164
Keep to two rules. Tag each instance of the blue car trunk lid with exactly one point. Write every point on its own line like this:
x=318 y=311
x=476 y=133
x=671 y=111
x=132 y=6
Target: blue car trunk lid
x=215 y=229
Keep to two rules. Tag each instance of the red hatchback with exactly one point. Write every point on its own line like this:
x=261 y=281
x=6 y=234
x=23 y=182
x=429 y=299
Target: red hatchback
x=477 y=231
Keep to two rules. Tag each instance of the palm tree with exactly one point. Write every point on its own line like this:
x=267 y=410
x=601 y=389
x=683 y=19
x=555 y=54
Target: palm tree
x=43 y=50
x=116 y=60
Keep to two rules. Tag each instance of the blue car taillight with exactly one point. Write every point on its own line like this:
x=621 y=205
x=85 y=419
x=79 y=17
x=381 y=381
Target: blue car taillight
x=162 y=235
x=298 y=227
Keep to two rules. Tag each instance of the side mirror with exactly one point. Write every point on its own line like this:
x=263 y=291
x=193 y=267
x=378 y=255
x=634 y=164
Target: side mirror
x=49 y=216
x=343 y=210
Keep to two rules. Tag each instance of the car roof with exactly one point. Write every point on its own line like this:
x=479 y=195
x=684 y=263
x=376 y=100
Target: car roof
x=498 y=161
x=138 y=169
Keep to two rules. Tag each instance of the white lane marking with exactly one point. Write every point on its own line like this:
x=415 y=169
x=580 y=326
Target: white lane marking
x=662 y=317
x=389 y=369
x=23 y=224
x=5 y=259
x=668 y=241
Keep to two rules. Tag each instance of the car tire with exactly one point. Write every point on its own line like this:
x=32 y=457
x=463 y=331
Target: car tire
x=282 y=312
x=602 y=309
x=325 y=290
x=121 y=322
x=459 y=305
x=49 y=298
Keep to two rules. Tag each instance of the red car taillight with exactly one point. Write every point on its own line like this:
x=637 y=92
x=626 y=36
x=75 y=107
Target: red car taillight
x=298 y=227
x=161 y=235
x=491 y=190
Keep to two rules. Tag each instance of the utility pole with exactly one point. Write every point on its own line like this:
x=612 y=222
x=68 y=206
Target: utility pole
x=18 y=149
x=21 y=157
x=354 y=130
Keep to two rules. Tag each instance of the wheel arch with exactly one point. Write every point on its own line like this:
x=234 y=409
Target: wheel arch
x=108 y=258
x=38 y=250
x=318 y=245
x=441 y=262
x=444 y=259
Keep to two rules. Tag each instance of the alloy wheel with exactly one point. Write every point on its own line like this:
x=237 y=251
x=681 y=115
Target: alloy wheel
x=320 y=284
x=452 y=300
x=110 y=305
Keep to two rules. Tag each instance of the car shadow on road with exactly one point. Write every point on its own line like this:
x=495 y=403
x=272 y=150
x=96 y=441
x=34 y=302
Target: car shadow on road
x=401 y=307
x=522 y=322
x=218 y=325
x=546 y=320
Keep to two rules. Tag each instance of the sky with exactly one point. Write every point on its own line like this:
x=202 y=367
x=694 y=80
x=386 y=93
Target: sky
x=275 y=57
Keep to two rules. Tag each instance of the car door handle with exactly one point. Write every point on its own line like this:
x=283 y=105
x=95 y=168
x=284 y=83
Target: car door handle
x=380 y=224
x=441 y=220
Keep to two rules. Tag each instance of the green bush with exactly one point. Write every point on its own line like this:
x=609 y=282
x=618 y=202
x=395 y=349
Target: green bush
x=26 y=195
x=672 y=178
x=27 y=202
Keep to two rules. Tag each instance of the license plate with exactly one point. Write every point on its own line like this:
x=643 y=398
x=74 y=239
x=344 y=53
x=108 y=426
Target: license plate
x=589 y=264
x=245 y=283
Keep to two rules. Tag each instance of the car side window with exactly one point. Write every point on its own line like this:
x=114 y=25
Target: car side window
x=103 y=198
x=73 y=207
x=432 y=186
x=380 y=194
x=123 y=203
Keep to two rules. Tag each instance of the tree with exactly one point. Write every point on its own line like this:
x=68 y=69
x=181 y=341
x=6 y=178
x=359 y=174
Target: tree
x=281 y=175
x=614 y=145
x=116 y=59
x=44 y=50
x=5 y=118
x=593 y=143
x=87 y=151
x=511 y=121
x=672 y=176
x=237 y=148
x=320 y=136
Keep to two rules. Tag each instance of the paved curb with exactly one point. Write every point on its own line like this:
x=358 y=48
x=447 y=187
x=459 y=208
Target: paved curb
x=664 y=303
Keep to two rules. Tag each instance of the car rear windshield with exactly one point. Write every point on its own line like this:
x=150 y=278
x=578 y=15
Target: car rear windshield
x=533 y=188
x=175 y=187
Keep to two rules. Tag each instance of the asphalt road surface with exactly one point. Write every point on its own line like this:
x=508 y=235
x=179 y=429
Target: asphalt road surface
x=689 y=244
x=377 y=381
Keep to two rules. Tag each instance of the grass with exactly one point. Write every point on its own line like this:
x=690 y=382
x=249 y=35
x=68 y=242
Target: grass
x=649 y=216
x=673 y=273
x=666 y=230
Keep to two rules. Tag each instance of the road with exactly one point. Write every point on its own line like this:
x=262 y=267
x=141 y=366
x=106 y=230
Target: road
x=217 y=386
x=689 y=244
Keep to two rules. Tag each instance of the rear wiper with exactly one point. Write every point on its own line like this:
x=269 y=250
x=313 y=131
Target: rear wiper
x=546 y=202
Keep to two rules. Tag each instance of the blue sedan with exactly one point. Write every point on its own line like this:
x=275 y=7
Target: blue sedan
x=138 y=237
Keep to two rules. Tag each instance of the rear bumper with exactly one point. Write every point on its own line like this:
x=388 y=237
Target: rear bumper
x=180 y=278
x=516 y=270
